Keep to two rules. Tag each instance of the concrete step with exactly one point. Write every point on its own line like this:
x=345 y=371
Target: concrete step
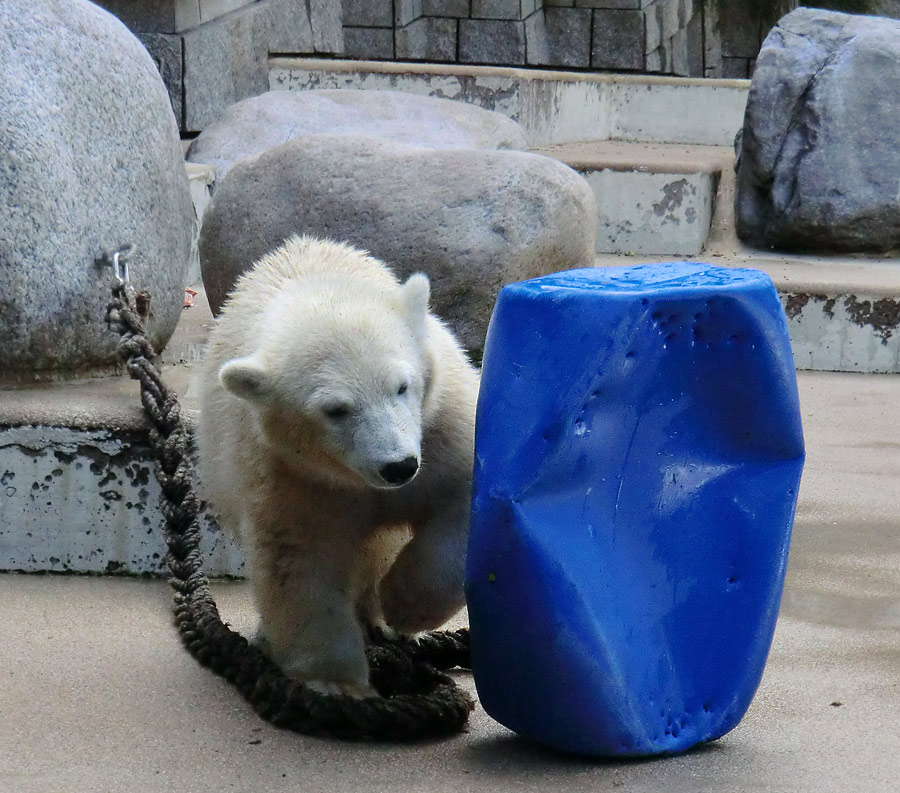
x=552 y=106
x=843 y=313
x=652 y=198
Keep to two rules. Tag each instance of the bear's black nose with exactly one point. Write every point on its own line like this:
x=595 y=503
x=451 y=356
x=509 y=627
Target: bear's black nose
x=401 y=472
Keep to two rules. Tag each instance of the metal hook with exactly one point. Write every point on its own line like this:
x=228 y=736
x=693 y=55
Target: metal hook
x=119 y=261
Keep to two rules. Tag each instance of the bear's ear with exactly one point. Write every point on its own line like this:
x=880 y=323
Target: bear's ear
x=414 y=295
x=247 y=379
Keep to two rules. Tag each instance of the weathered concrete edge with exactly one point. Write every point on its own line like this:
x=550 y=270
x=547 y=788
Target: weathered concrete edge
x=876 y=277
x=553 y=107
x=86 y=501
x=105 y=404
x=396 y=67
x=844 y=332
x=598 y=162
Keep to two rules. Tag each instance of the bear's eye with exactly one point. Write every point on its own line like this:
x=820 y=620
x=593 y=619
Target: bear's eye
x=403 y=388
x=337 y=411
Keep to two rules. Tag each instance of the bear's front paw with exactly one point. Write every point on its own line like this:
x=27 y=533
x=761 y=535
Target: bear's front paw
x=336 y=669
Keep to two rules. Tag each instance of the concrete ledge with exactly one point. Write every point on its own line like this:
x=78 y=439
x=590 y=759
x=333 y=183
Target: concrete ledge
x=664 y=213
x=652 y=198
x=86 y=501
x=553 y=106
x=843 y=312
x=629 y=156
x=844 y=332
x=875 y=277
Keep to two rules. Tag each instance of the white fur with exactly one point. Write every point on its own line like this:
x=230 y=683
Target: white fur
x=321 y=370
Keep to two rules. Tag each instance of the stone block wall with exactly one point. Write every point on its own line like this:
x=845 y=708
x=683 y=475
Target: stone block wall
x=212 y=53
x=170 y=16
x=661 y=36
x=674 y=38
x=734 y=32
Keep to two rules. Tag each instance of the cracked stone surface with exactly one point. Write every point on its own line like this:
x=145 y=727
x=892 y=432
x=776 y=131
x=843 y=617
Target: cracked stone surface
x=820 y=161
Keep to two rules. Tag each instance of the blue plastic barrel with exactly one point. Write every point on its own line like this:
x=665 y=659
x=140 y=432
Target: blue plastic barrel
x=638 y=453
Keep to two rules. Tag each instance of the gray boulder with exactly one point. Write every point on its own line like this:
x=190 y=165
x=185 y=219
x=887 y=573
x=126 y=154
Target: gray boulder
x=473 y=220
x=820 y=158
x=89 y=159
x=261 y=122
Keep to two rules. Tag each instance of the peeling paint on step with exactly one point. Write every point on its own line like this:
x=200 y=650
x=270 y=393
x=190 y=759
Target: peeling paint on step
x=882 y=315
x=652 y=213
x=673 y=198
x=87 y=502
x=61 y=440
x=795 y=303
x=843 y=333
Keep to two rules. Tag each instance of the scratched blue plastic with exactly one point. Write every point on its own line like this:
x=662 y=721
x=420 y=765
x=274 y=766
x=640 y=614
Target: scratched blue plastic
x=638 y=453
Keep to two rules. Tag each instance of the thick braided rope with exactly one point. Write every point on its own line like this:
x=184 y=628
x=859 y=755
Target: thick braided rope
x=417 y=700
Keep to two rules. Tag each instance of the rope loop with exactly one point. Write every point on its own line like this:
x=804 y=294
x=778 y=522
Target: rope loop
x=418 y=701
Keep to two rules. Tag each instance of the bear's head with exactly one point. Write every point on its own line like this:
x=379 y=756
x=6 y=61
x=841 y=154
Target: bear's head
x=338 y=386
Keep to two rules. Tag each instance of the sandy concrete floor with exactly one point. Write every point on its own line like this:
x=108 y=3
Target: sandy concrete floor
x=98 y=695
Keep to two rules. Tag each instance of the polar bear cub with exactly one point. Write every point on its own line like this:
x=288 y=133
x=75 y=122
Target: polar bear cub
x=336 y=438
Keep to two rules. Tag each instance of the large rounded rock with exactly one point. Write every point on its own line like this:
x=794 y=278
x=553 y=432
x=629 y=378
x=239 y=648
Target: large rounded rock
x=89 y=159
x=261 y=122
x=820 y=160
x=473 y=220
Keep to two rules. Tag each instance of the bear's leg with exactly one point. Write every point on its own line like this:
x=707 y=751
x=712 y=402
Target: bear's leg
x=424 y=587
x=308 y=618
x=377 y=553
